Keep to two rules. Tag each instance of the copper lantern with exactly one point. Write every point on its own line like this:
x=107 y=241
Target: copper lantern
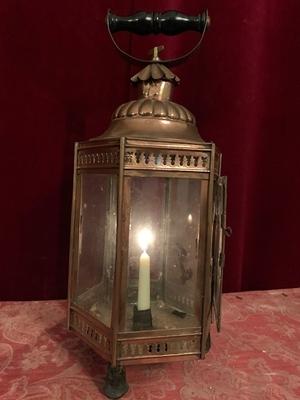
x=147 y=235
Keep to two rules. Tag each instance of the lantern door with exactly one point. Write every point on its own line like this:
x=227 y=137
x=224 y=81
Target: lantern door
x=220 y=230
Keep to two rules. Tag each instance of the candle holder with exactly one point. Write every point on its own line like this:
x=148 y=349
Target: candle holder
x=142 y=319
x=148 y=225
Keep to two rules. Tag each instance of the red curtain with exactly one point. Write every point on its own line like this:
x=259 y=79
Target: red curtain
x=62 y=79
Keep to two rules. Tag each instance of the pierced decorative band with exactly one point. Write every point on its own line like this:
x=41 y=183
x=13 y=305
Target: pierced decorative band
x=170 y=347
x=178 y=160
x=108 y=158
x=82 y=326
x=137 y=159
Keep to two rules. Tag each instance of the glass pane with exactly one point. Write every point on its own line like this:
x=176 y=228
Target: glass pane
x=165 y=256
x=97 y=244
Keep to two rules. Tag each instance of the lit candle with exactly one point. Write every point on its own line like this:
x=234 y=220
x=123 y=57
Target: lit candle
x=145 y=237
x=190 y=218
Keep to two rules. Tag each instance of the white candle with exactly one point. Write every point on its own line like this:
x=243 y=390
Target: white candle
x=145 y=237
x=144 y=283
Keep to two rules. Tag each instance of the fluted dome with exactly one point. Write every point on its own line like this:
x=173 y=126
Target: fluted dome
x=151 y=107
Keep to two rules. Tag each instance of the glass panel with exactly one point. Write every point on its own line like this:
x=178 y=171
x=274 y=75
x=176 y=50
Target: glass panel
x=97 y=245
x=165 y=256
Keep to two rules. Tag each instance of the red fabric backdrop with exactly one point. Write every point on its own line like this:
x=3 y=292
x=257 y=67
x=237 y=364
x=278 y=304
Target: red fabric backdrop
x=60 y=81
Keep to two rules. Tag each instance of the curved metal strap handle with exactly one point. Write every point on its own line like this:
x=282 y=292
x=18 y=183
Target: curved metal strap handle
x=169 y=23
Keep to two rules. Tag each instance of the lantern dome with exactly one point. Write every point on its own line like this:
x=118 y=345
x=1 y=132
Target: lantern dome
x=153 y=114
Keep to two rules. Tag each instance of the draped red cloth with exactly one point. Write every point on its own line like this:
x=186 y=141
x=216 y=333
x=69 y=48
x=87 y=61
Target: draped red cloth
x=61 y=79
x=256 y=356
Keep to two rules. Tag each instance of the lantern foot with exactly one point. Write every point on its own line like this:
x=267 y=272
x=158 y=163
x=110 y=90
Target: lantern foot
x=142 y=319
x=115 y=385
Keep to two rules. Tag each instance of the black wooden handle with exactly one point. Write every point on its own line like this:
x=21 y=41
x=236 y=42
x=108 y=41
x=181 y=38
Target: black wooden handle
x=168 y=23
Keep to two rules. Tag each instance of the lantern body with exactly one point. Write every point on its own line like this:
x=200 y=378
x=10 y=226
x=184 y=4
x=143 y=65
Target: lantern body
x=120 y=187
x=147 y=234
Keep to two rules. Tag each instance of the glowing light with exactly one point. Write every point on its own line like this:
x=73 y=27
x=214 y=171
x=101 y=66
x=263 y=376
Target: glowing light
x=190 y=218
x=145 y=237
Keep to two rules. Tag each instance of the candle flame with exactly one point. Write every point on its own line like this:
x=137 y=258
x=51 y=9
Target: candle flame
x=145 y=237
x=190 y=218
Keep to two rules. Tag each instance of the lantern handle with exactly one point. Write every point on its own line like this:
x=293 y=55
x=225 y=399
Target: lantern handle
x=169 y=23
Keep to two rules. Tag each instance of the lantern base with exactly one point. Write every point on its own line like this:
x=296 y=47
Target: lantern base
x=115 y=385
x=142 y=319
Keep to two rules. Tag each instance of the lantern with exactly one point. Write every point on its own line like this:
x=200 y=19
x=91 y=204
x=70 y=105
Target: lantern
x=147 y=235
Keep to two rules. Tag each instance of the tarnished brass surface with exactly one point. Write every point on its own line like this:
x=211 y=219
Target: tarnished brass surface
x=153 y=114
x=150 y=136
x=96 y=335
x=164 y=347
x=152 y=127
x=154 y=108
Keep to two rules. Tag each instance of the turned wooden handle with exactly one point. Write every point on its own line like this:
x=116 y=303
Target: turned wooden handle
x=168 y=23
